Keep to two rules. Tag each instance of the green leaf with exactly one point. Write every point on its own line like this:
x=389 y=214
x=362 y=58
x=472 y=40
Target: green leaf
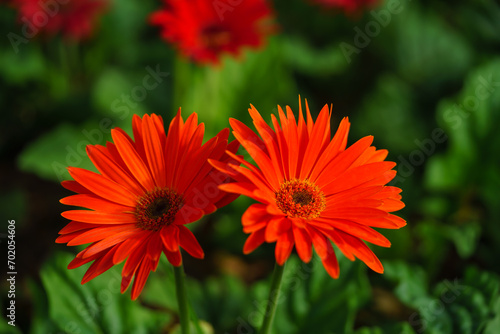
x=41 y=323
x=50 y=155
x=388 y=113
x=469 y=121
x=160 y=288
x=5 y=328
x=112 y=95
x=465 y=237
x=401 y=328
x=217 y=302
x=96 y=307
x=479 y=21
x=313 y=302
x=455 y=306
x=428 y=51
x=220 y=301
x=28 y=64
x=318 y=62
x=492 y=326
x=412 y=282
x=443 y=173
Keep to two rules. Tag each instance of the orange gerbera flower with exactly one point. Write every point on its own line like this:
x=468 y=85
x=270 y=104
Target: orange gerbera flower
x=147 y=190
x=312 y=190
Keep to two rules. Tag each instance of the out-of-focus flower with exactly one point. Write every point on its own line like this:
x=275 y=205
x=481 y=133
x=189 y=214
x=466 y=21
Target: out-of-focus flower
x=204 y=30
x=312 y=190
x=74 y=19
x=148 y=189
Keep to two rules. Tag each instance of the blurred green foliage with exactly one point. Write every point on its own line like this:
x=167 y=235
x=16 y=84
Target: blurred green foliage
x=435 y=66
x=96 y=307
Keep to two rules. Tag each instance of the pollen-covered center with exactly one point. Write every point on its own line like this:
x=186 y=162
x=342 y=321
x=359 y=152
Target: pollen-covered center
x=300 y=199
x=157 y=208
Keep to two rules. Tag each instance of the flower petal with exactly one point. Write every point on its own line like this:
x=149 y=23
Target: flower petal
x=253 y=241
x=154 y=151
x=284 y=246
x=189 y=243
x=97 y=217
x=140 y=278
x=112 y=170
x=133 y=160
x=103 y=187
x=303 y=243
x=276 y=227
x=330 y=262
x=95 y=203
x=170 y=237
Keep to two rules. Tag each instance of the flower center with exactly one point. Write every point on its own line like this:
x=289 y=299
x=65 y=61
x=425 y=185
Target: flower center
x=157 y=208
x=215 y=37
x=300 y=199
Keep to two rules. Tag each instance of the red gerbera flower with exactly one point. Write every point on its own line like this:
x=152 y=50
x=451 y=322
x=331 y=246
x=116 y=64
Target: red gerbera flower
x=347 y=5
x=203 y=30
x=74 y=19
x=312 y=190
x=147 y=190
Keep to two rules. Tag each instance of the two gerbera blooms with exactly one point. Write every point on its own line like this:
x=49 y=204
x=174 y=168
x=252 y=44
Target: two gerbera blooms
x=310 y=190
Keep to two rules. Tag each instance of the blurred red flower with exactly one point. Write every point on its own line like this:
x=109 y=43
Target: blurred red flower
x=312 y=190
x=203 y=30
x=74 y=19
x=348 y=6
x=147 y=190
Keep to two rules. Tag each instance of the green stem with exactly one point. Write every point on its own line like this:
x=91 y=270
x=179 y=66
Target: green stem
x=182 y=78
x=195 y=320
x=182 y=301
x=272 y=301
x=64 y=59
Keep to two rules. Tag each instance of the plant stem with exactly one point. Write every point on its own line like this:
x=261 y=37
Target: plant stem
x=195 y=320
x=182 y=79
x=272 y=301
x=182 y=301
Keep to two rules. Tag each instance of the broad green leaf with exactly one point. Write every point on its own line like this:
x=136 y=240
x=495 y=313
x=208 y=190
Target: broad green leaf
x=469 y=121
x=116 y=96
x=217 y=303
x=479 y=21
x=96 y=307
x=7 y=328
x=412 y=282
x=402 y=328
x=492 y=326
x=465 y=237
x=50 y=155
x=442 y=172
x=388 y=113
x=423 y=44
x=319 y=62
x=27 y=64
x=454 y=306
x=311 y=301
x=220 y=301
x=41 y=323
